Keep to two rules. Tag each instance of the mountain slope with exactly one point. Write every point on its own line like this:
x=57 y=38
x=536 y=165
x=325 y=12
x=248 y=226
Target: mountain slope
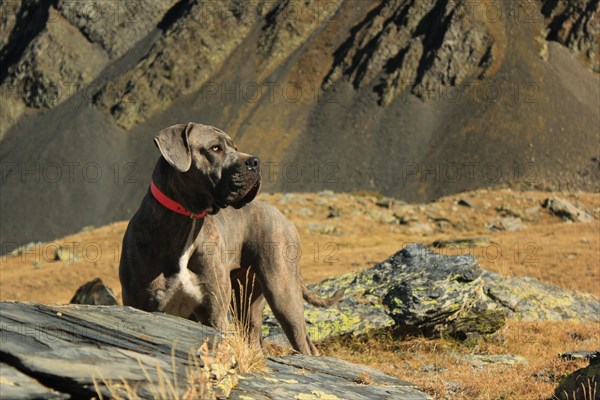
x=414 y=99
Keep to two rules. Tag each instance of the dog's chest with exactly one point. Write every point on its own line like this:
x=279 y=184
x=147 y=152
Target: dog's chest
x=182 y=293
x=215 y=246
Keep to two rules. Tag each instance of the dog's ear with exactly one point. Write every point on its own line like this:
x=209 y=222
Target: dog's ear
x=174 y=146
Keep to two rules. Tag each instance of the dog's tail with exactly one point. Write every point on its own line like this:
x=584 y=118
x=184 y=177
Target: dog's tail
x=317 y=301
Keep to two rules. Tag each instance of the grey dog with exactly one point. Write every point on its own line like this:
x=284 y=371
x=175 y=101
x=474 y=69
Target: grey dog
x=187 y=253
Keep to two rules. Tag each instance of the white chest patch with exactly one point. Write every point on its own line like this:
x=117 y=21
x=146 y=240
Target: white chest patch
x=183 y=292
x=188 y=281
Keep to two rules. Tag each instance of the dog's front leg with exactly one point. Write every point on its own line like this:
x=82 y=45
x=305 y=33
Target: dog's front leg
x=216 y=295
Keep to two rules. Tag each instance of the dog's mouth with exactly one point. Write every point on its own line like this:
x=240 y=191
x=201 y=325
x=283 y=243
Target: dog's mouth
x=240 y=201
x=249 y=196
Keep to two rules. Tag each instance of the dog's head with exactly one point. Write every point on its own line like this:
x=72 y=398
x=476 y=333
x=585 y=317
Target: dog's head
x=209 y=169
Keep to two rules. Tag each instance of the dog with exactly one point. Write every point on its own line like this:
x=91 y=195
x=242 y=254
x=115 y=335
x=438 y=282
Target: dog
x=199 y=245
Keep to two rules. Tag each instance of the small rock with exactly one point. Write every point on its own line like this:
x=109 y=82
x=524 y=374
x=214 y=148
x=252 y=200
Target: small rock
x=95 y=293
x=333 y=212
x=461 y=243
x=406 y=218
x=480 y=360
x=494 y=227
x=422 y=228
x=434 y=368
x=66 y=254
x=566 y=210
x=402 y=219
x=465 y=203
x=286 y=198
x=511 y=224
x=580 y=355
x=25 y=248
x=326 y=193
x=362 y=202
x=385 y=202
x=508 y=211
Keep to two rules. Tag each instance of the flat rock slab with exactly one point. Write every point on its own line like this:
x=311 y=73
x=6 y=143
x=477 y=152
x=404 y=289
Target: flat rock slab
x=323 y=378
x=581 y=355
x=58 y=351
x=66 y=347
x=16 y=385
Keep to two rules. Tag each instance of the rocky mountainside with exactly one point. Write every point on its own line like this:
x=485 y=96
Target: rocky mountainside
x=414 y=99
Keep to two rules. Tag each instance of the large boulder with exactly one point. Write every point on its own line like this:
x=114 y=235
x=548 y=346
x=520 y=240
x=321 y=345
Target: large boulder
x=415 y=290
x=62 y=352
x=420 y=291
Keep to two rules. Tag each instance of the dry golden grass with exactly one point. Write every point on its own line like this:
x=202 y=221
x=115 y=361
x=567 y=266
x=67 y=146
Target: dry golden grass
x=441 y=367
x=210 y=374
x=250 y=358
x=249 y=355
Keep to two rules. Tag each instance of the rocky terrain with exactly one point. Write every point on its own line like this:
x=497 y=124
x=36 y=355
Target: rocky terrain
x=502 y=282
x=440 y=159
x=412 y=99
x=133 y=354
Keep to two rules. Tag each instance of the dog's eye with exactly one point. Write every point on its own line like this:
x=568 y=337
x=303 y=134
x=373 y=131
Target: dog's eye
x=216 y=149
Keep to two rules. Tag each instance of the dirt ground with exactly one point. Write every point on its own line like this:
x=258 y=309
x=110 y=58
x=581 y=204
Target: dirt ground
x=511 y=233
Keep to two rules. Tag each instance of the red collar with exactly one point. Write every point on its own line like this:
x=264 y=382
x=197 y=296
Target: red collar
x=172 y=204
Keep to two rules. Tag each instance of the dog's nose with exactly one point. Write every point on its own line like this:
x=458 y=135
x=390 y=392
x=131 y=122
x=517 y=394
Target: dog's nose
x=253 y=162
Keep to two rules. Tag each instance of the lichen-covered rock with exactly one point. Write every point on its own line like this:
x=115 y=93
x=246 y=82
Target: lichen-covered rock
x=483 y=360
x=419 y=291
x=323 y=378
x=415 y=290
x=529 y=299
